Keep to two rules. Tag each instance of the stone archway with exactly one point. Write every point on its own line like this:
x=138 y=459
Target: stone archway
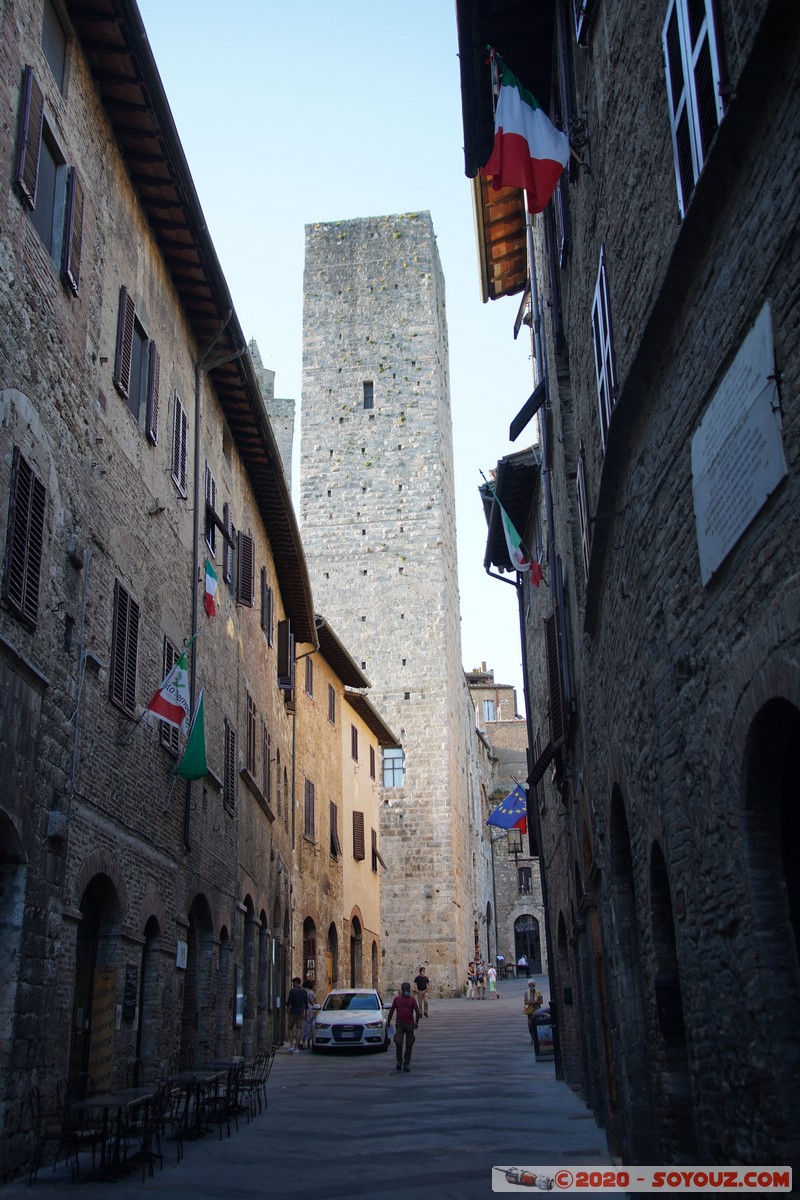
x=94 y=997
x=197 y=998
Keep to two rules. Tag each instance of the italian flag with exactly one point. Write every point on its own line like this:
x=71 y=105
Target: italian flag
x=209 y=600
x=516 y=551
x=529 y=152
x=171 y=701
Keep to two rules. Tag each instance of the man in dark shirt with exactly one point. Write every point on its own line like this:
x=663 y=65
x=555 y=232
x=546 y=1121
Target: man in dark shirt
x=296 y=1005
x=405 y=1010
x=422 y=984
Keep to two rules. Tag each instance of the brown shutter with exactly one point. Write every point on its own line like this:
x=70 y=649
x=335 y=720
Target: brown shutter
x=245 y=570
x=557 y=721
x=168 y=733
x=153 y=381
x=124 y=351
x=73 y=239
x=31 y=117
x=336 y=848
x=229 y=780
x=25 y=541
x=124 y=646
x=179 y=448
x=358 y=836
x=285 y=656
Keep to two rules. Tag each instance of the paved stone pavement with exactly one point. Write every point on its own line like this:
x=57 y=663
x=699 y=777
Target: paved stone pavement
x=348 y=1125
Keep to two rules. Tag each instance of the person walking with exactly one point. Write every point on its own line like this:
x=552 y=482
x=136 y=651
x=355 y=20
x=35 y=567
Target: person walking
x=422 y=988
x=480 y=971
x=522 y=966
x=472 y=980
x=405 y=1011
x=296 y=1007
x=492 y=977
x=307 y=1034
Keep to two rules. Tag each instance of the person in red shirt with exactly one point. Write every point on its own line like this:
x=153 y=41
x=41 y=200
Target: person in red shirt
x=405 y=1010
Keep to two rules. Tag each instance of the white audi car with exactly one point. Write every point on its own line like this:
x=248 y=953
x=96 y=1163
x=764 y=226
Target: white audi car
x=351 y=1017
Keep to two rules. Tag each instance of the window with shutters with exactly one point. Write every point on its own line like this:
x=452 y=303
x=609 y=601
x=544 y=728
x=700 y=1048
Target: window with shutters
x=227 y=544
x=393 y=768
x=211 y=510
x=604 y=361
x=331 y=705
x=50 y=190
x=137 y=367
x=376 y=854
x=525 y=880
x=22 y=567
x=308 y=826
x=180 y=444
x=358 y=836
x=168 y=734
x=229 y=773
x=369 y=394
x=354 y=743
x=583 y=510
x=285 y=656
x=488 y=710
x=252 y=725
x=695 y=92
x=336 y=847
x=267 y=608
x=309 y=684
x=124 y=646
x=372 y=762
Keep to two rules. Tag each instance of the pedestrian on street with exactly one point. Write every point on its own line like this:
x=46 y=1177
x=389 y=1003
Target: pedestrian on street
x=480 y=971
x=422 y=988
x=405 y=1010
x=472 y=981
x=307 y=1035
x=493 y=992
x=296 y=1006
x=531 y=1004
x=522 y=965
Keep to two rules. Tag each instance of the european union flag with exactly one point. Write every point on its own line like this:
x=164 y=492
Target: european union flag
x=511 y=813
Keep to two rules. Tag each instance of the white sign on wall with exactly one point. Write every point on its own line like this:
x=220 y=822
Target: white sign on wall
x=737 y=451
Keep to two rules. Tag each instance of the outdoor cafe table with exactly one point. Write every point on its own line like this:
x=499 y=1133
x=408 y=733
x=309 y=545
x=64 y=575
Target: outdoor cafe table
x=110 y=1103
x=193 y=1082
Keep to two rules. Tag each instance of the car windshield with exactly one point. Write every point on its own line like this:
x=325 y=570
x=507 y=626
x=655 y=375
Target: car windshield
x=343 y=1000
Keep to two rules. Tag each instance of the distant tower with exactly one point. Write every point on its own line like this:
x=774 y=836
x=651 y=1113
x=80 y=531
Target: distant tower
x=377 y=508
x=280 y=412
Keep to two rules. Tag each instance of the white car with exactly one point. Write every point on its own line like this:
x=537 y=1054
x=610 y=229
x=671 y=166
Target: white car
x=351 y=1017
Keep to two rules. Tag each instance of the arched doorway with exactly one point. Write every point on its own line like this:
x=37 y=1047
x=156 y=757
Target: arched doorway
x=262 y=1001
x=197 y=998
x=332 y=967
x=94 y=997
x=309 y=951
x=527 y=942
x=276 y=992
x=355 y=953
x=678 y=1135
x=249 y=979
x=149 y=1006
x=223 y=996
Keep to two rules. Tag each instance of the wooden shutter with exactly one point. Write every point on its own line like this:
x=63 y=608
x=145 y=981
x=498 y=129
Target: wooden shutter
x=180 y=433
x=336 y=848
x=358 y=836
x=168 y=734
x=309 y=677
x=285 y=656
x=264 y=599
x=245 y=569
x=331 y=705
x=251 y=735
x=583 y=510
x=309 y=810
x=211 y=511
x=24 y=541
x=266 y=765
x=229 y=778
x=73 y=237
x=124 y=351
x=153 y=381
x=557 y=717
x=29 y=139
x=372 y=762
x=124 y=646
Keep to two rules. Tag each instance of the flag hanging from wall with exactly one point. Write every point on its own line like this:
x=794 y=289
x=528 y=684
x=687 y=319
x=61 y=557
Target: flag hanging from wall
x=193 y=761
x=171 y=701
x=528 y=152
x=209 y=600
x=512 y=812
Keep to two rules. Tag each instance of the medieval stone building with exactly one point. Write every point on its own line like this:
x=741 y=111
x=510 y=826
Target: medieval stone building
x=378 y=520
x=661 y=498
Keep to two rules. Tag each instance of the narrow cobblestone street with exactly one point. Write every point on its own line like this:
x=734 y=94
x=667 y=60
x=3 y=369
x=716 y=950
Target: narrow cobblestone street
x=347 y=1125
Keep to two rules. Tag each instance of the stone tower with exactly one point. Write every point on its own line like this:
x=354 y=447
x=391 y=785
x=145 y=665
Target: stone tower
x=377 y=507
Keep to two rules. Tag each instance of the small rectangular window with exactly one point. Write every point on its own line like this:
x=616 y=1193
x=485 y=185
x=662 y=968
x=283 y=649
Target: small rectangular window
x=488 y=710
x=252 y=725
x=376 y=854
x=245 y=569
x=124 y=646
x=604 y=361
x=54 y=43
x=285 y=656
x=331 y=705
x=354 y=742
x=583 y=510
x=266 y=764
x=393 y=768
x=267 y=608
x=24 y=541
x=525 y=880
x=358 y=836
x=137 y=367
x=180 y=445
x=211 y=511
x=369 y=394
x=309 y=677
x=229 y=775
x=372 y=762
x=309 y=810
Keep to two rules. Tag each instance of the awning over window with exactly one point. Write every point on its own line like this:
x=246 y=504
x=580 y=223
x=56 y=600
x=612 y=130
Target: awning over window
x=528 y=411
x=541 y=765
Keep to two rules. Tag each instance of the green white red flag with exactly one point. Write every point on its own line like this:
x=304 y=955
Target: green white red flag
x=528 y=152
x=520 y=559
x=209 y=599
x=171 y=701
x=193 y=762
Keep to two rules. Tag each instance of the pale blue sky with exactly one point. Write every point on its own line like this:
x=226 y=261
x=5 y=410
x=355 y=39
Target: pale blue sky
x=291 y=114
